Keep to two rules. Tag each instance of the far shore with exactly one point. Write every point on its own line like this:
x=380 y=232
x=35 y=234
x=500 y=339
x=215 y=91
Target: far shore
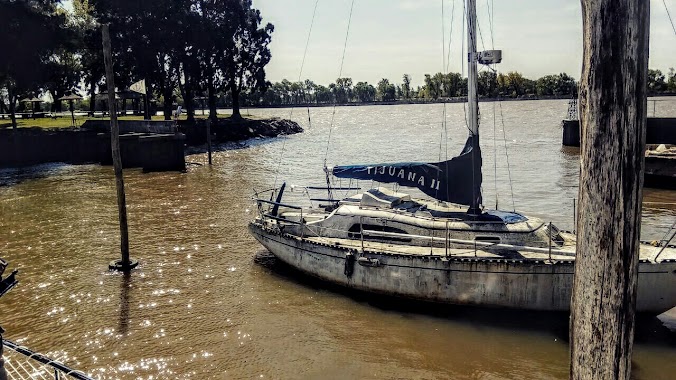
x=424 y=101
x=63 y=119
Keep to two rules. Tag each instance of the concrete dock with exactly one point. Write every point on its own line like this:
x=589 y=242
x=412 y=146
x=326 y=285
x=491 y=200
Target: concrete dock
x=661 y=130
x=146 y=150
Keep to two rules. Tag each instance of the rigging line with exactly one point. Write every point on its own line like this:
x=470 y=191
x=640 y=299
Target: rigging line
x=495 y=158
x=509 y=169
x=443 y=39
x=491 y=17
x=342 y=61
x=448 y=64
x=450 y=35
x=307 y=43
x=669 y=14
x=300 y=74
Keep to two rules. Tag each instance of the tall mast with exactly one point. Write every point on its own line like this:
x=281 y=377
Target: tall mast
x=473 y=104
x=472 y=76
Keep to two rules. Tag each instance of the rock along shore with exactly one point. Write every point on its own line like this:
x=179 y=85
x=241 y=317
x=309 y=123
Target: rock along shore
x=229 y=130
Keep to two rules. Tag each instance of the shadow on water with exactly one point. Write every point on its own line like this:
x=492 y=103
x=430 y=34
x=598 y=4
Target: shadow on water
x=15 y=176
x=235 y=145
x=125 y=285
x=649 y=329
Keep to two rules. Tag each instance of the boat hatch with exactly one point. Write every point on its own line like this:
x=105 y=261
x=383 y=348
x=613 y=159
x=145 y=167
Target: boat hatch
x=506 y=217
x=381 y=197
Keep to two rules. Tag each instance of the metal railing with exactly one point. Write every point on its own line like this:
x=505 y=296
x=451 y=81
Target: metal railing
x=21 y=364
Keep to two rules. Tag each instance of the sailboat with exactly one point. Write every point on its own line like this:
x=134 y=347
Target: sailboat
x=445 y=248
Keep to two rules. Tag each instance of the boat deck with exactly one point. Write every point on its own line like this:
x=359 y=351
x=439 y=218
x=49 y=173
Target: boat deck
x=648 y=252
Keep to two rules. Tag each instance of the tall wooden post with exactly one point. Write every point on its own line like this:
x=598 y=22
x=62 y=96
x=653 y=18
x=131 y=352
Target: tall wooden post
x=125 y=264
x=3 y=373
x=613 y=110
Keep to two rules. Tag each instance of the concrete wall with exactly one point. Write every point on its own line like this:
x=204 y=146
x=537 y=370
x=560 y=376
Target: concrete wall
x=31 y=147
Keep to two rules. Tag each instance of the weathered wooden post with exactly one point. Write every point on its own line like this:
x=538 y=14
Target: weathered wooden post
x=125 y=264
x=3 y=373
x=613 y=109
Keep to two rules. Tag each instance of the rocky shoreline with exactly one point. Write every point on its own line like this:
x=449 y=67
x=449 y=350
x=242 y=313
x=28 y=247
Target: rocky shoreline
x=232 y=130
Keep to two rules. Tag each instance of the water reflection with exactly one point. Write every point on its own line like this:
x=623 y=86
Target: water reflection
x=125 y=285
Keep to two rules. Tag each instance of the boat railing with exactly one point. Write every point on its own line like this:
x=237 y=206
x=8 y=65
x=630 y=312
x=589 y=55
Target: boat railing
x=664 y=242
x=447 y=240
x=22 y=363
x=475 y=244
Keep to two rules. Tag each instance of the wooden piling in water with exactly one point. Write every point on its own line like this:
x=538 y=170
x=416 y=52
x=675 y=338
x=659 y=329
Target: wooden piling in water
x=125 y=264
x=613 y=118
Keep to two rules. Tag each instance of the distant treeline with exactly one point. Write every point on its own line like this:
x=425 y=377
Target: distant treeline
x=438 y=86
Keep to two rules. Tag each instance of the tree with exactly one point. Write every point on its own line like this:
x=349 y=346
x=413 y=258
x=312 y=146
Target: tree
x=613 y=128
x=432 y=88
x=310 y=90
x=406 y=87
x=89 y=49
x=247 y=54
x=32 y=32
x=322 y=94
x=517 y=83
x=488 y=84
x=342 y=90
x=385 y=90
x=656 y=82
x=671 y=80
x=565 y=85
x=365 y=92
x=546 y=85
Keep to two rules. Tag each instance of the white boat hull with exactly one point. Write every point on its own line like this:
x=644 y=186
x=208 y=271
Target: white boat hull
x=488 y=282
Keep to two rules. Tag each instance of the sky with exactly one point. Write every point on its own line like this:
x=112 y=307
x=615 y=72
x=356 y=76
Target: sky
x=389 y=38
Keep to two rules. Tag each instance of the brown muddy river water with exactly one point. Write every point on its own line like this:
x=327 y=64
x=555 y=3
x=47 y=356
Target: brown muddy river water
x=201 y=307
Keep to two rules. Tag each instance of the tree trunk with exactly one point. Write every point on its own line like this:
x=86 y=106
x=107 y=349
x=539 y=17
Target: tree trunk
x=613 y=126
x=56 y=105
x=234 y=91
x=213 y=115
x=92 y=94
x=147 y=115
x=168 y=102
x=189 y=105
x=12 y=106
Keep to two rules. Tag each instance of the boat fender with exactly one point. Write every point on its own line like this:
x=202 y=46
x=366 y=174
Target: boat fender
x=349 y=264
x=368 y=262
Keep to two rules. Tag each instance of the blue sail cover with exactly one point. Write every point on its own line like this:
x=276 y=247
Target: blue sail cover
x=457 y=180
